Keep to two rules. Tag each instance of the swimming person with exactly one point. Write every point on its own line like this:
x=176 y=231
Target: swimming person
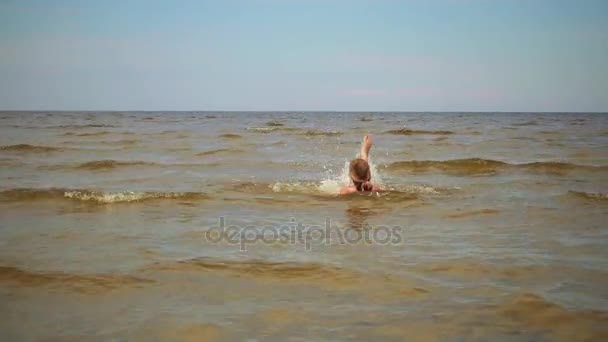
x=360 y=172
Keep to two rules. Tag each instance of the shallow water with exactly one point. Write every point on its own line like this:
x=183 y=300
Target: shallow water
x=494 y=226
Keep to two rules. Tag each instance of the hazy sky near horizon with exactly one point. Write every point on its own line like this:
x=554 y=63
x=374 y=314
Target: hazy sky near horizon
x=368 y=55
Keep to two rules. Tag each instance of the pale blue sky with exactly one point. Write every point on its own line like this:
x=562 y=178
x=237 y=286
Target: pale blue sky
x=368 y=55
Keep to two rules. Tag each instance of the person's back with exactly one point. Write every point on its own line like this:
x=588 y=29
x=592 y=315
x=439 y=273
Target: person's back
x=360 y=172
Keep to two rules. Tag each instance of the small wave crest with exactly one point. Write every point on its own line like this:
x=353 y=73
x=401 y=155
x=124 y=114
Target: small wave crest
x=95 y=196
x=230 y=136
x=595 y=196
x=299 y=187
x=83 y=126
x=478 y=166
x=315 y=133
x=110 y=164
x=88 y=283
x=91 y=134
x=468 y=213
x=320 y=274
x=408 y=131
x=536 y=312
x=129 y=196
x=324 y=275
x=559 y=167
x=283 y=270
x=527 y=123
x=293 y=130
x=270 y=129
x=29 y=148
x=471 y=166
x=219 y=151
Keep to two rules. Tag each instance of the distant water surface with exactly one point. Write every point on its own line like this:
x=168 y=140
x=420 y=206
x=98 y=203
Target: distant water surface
x=494 y=226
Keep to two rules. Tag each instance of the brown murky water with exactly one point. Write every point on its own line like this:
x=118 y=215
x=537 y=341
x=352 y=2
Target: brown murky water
x=226 y=226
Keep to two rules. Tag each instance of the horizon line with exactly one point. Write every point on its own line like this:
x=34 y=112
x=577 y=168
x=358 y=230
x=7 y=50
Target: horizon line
x=296 y=110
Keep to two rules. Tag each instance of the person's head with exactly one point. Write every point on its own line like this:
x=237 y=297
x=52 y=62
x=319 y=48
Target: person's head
x=360 y=174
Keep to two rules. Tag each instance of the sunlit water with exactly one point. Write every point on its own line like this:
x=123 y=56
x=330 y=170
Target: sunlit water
x=493 y=226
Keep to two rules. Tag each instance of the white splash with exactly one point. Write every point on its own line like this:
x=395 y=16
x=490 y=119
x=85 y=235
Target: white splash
x=334 y=180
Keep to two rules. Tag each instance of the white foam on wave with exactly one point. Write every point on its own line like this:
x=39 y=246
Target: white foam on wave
x=118 y=197
x=105 y=197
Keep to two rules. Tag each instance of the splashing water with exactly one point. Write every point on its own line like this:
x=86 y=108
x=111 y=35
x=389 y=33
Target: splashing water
x=332 y=182
x=335 y=180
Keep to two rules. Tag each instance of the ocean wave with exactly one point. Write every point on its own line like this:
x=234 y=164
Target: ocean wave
x=86 y=283
x=29 y=148
x=472 y=268
x=220 y=151
x=274 y=124
x=559 y=167
x=91 y=134
x=440 y=138
x=324 y=275
x=419 y=189
x=130 y=196
x=230 y=136
x=535 y=312
x=527 y=123
x=478 y=166
x=110 y=164
x=407 y=131
x=121 y=142
x=471 y=166
x=271 y=129
x=282 y=270
x=95 y=196
x=467 y=213
x=314 y=133
x=293 y=130
x=595 y=196
x=250 y=187
x=326 y=187
x=83 y=126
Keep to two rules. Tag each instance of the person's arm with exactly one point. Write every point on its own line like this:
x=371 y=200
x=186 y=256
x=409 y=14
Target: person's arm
x=365 y=147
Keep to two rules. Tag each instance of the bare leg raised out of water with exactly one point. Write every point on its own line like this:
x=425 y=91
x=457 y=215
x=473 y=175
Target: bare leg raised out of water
x=366 y=145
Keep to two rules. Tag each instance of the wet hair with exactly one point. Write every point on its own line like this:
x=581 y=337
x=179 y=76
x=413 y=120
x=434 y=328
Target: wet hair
x=360 y=174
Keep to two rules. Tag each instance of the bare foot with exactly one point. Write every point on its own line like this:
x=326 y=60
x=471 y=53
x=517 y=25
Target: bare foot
x=366 y=146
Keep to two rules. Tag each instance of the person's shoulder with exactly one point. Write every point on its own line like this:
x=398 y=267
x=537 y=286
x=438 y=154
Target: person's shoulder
x=347 y=190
